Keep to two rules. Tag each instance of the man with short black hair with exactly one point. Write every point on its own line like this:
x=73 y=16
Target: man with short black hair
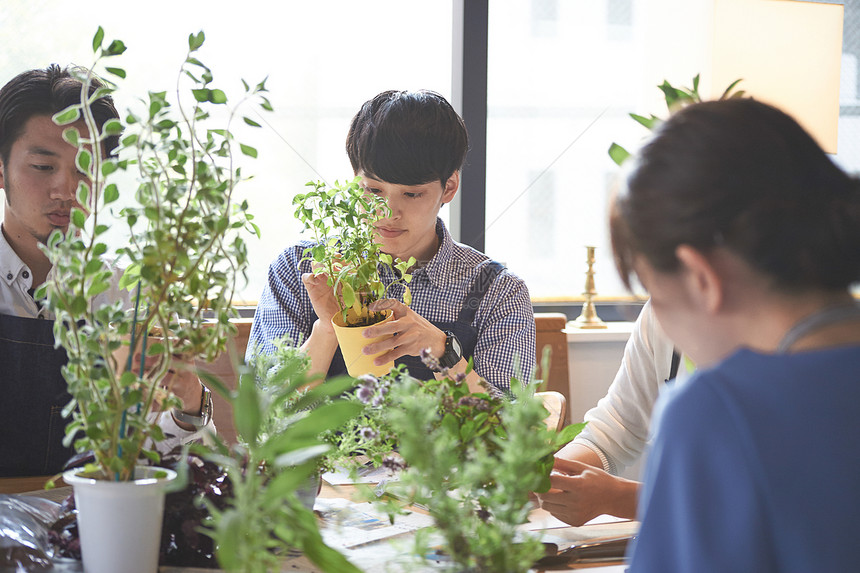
x=409 y=147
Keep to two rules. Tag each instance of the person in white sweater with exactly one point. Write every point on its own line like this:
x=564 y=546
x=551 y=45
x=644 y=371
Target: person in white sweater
x=617 y=431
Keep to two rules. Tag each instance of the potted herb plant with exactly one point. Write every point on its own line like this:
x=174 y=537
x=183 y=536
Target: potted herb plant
x=184 y=256
x=280 y=421
x=341 y=219
x=676 y=98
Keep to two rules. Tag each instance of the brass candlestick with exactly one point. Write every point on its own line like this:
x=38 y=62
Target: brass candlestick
x=588 y=318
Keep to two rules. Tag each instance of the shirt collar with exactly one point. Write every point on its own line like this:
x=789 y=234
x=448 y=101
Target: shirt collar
x=11 y=265
x=438 y=268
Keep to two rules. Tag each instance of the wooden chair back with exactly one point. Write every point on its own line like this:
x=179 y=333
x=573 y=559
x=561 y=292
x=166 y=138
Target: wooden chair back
x=224 y=368
x=556 y=404
x=549 y=331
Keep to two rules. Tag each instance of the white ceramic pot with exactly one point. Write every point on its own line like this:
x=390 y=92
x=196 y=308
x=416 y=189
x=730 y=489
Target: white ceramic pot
x=120 y=522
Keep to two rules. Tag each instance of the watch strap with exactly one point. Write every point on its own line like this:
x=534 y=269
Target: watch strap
x=453 y=351
x=200 y=421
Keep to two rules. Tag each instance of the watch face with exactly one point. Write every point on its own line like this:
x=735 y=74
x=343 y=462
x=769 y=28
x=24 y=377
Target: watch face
x=455 y=345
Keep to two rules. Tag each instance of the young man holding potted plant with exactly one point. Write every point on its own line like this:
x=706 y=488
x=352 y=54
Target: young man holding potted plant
x=408 y=148
x=40 y=178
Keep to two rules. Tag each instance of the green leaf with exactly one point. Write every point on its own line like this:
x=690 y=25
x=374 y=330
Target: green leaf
x=195 y=41
x=69 y=115
x=78 y=218
x=72 y=135
x=97 y=288
x=251 y=122
x=82 y=194
x=301 y=456
x=727 y=94
x=112 y=126
x=111 y=193
x=83 y=160
x=130 y=276
x=246 y=410
x=248 y=150
x=108 y=167
x=201 y=94
x=648 y=122
x=118 y=72
x=115 y=49
x=217 y=96
x=97 y=39
x=618 y=154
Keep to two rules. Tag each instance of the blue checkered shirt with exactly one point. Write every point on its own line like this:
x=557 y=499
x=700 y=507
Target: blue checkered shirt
x=504 y=320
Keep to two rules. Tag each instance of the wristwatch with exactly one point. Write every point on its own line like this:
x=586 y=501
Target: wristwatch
x=453 y=351
x=201 y=420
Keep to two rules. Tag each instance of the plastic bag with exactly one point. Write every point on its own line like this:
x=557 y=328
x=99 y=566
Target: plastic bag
x=24 y=525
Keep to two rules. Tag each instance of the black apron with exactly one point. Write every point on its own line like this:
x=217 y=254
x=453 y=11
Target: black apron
x=462 y=327
x=33 y=394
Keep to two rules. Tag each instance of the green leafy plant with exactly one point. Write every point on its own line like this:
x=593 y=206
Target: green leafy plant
x=470 y=458
x=279 y=422
x=185 y=253
x=676 y=98
x=341 y=218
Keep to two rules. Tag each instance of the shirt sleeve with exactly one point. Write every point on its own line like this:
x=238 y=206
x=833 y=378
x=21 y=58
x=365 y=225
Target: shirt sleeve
x=506 y=333
x=618 y=426
x=700 y=506
x=176 y=436
x=285 y=308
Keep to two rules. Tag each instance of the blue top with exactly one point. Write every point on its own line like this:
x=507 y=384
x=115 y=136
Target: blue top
x=755 y=466
x=504 y=319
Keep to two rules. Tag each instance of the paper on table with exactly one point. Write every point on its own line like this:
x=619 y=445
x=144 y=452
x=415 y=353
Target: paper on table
x=348 y=525
x=366 y=474
x=563 y=535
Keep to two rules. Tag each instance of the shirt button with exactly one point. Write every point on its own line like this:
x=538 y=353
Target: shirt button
x=25 y=274
x=9 y=277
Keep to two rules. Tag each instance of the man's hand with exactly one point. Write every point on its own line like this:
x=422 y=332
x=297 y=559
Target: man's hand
x=581 y=492
x=180 y=379
x=322 y=298
x=407 y=335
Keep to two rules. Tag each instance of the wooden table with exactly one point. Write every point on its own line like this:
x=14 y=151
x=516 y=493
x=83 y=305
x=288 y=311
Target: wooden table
x=370 y=557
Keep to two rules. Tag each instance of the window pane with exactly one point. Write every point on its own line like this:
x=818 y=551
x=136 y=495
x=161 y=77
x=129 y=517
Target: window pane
x=323 y=60
x=560 y=77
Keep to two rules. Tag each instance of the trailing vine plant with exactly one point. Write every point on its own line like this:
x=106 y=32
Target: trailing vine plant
x=184 y=255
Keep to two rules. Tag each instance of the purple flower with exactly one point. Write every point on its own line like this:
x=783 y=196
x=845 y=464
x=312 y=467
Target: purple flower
x=392 y=463
x=364 y=394
x=478 y=404
x=429 y=360
x=368 y=434
x=368 y=380
x=459 y=377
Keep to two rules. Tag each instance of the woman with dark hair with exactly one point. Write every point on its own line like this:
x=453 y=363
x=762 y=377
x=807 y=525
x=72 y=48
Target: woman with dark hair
x=747 y=237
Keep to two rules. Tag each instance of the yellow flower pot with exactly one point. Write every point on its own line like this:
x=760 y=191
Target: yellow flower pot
x=351 y=340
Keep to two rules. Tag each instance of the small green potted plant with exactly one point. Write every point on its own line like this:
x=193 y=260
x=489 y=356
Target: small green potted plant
x=184 y=256
x=341 y=219
x=676 y=98
x=280 y=421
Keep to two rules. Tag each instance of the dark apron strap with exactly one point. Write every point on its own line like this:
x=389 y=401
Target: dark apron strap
x=479 y=288
x=34 y=394
x=673 y=367
x=462 y=328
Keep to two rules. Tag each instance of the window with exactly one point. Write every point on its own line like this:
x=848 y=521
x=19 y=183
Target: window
x=323 y=60
x=562 y=77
